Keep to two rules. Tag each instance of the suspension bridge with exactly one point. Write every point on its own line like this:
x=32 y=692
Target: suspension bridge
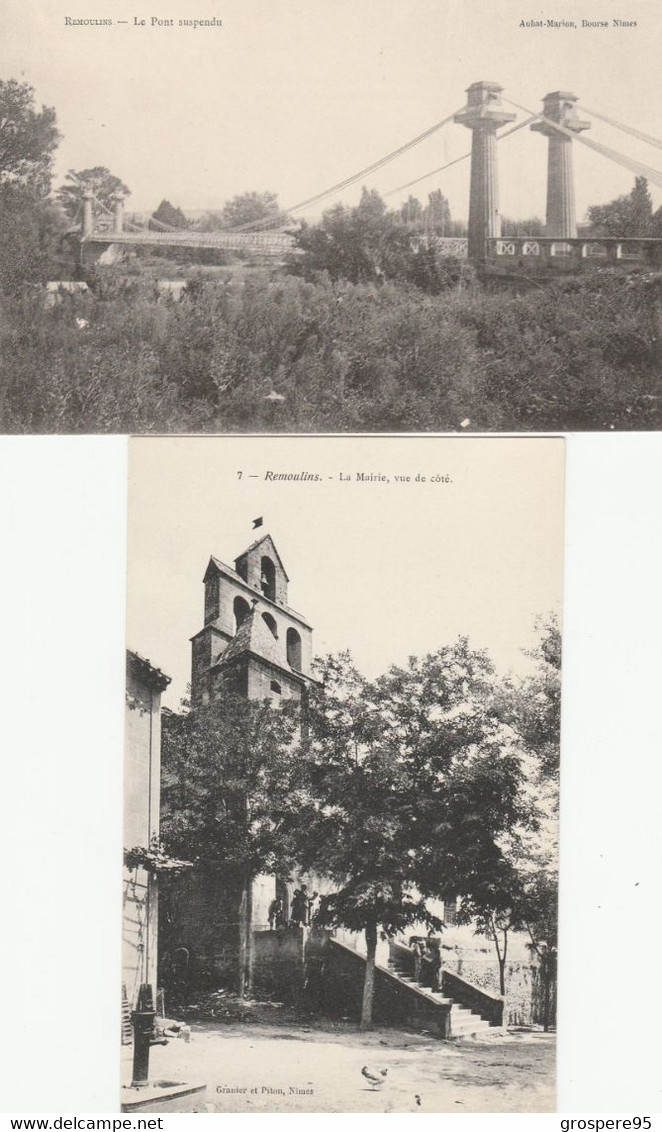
x=487 y=112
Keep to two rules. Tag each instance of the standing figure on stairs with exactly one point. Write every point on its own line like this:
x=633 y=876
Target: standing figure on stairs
x=276 y=914
x=418 y=948
x=436 y=963
x=302 y=903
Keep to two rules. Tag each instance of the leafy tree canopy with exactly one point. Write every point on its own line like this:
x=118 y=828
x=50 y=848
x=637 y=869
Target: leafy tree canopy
x=361 y=244
x=411 y=780
x=28 y=137
x=628 y=215
x=434 y=218
x=247 y=208
x=532 y=226
x=99 y=181
x=30 y=234
x=228 y=777
x=439 y=214
x=369 y=244
x=169 y=216
x=532 y=704
x=521 y=892
x=229 y=786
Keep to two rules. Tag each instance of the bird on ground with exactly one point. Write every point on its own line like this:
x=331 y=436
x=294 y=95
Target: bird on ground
x=374 y=1076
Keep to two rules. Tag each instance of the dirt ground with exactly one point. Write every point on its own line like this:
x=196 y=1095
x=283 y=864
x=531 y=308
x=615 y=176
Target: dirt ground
x=266 y=1068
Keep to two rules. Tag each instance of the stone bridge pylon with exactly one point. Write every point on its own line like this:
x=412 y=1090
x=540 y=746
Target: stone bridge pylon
x=559 y=108
x=483 y=115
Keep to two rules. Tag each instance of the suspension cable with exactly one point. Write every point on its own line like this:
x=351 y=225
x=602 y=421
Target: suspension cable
x=282 y=215
x=456 y=160
x=626 y=129
x=379 y=164
x=627 y=162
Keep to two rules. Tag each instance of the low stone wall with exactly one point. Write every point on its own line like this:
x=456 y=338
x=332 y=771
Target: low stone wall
x=483 y=971
x=198 y=931
x=280 y=962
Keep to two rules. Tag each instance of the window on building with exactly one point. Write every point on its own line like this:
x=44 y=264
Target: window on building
x=270 y=622
x=268 y=578
x=241 y=611
x=450 y=911
x=275 y=687
x=294 y=649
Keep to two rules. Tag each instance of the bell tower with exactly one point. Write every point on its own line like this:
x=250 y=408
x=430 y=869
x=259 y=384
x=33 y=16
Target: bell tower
x=251 y=637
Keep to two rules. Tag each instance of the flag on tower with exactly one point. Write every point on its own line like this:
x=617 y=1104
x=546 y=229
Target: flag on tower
x=257 y=522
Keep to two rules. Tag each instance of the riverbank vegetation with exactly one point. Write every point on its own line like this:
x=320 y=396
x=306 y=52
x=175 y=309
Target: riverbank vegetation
x=282 y=353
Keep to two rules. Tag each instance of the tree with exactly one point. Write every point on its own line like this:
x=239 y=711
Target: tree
x=250 y=207
x=438 y=214
x=230 y=780
x=532 y=703
x=533 y=226
x=30 y=240
x=411 y=780
x=368 y=244
x=167 y=216
x=629 y=215
x=99 y=181
x=361 y=244
x=350 y=826
x=28 y=138
x=29 y=227
x=521 y=893
x=515 y=895
x=412 y=212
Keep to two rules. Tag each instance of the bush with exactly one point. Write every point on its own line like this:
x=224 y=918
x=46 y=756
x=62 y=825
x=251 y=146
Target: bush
x=285 y=353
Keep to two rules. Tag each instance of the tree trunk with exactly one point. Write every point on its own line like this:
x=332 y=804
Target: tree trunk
x=250 y=943
x=369 y=983
x=244 y=964
x=501 y=955
x=502 y=963
x=547 y=974
x=502 y=975
x=545 y=1002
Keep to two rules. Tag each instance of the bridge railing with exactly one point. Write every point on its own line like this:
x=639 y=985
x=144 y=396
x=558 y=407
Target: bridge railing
x=579 y=252
x=280 y=241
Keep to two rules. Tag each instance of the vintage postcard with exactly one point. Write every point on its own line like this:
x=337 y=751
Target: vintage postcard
x=271 y=216
x=341 y=774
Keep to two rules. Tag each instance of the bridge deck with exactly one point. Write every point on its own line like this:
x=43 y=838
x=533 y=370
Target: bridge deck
x=266 y=243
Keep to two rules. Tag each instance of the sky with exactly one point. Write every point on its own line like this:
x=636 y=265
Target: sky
x=292 y=96
x=387 y=570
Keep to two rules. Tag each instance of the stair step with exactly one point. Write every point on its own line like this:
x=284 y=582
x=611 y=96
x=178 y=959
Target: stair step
x=468 y=1031
x=467 y=1028
x=464 y=1024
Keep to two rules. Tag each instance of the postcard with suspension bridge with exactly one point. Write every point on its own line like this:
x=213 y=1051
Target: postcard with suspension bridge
x=341 y=775
x=439 y=217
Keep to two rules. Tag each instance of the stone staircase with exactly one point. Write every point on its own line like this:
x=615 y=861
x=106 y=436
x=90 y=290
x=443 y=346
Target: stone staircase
x=459 y=1012
x=464 y=1022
